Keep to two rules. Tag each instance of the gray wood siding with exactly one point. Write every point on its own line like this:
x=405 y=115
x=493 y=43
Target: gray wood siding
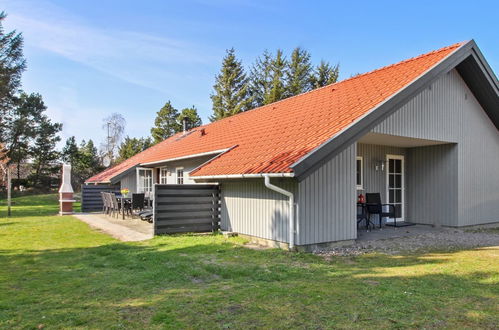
x=448 y=111
x=478 y=163
x=432 y=190
x=434 y=114
x=375 y=181
x=327 y=199
x=248 y=207
x=129 y=181
x=188 y=165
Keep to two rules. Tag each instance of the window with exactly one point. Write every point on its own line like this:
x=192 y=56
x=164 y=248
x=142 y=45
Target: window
x=144 y=180
x=180 y=175
x=163 y=174
x=360 y=173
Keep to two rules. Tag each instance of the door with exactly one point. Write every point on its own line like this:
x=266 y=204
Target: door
x=395 y=184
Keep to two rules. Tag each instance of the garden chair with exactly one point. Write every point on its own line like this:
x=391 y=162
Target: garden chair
x=374 y=206
x=362 y=215
x=137 y=203
x=104 y=202
x=115 y=205
x=109 y=204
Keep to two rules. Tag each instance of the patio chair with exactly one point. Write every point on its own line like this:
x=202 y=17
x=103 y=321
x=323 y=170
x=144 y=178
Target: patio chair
x=107 y=205
x=137 y=203
x=363 y=215
x=104 y=202
x=115 y=204
x=374 y=206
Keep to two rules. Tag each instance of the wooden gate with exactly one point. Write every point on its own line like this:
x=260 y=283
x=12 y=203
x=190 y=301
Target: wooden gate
x=91 y=200
x=180 y=208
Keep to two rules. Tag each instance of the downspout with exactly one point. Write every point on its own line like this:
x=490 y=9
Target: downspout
x=291 y=208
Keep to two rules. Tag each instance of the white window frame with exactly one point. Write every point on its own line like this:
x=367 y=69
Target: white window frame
x=361 y=186
x=177 y=177
x=142 y=188
x=163 y=175
x=387 y=178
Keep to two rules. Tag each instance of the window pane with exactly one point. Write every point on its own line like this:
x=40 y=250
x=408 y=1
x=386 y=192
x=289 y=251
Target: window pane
x=391 y=166
x=398 y=166
x=398 y=180
x=391 y=195
x=391 y=181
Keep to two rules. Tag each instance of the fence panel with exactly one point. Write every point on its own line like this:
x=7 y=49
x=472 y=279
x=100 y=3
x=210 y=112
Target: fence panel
x=91 y=200
x=180 y=208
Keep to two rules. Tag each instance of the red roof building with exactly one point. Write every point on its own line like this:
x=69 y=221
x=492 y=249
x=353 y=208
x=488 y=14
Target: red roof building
x=414 y=110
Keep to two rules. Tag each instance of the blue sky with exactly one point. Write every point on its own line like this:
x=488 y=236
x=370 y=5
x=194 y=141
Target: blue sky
x=92 y=58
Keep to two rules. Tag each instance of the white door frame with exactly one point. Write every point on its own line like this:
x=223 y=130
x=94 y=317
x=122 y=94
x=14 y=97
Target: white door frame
x=387 y=178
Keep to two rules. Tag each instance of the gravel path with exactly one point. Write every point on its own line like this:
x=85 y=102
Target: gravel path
x=441 y=238
x=129 y=230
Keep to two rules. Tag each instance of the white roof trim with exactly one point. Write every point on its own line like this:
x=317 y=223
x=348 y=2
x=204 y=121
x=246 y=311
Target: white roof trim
x=186 y=157
x=244 y=176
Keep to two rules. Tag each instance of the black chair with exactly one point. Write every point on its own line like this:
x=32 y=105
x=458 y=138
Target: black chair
x=374 y=206
x=363 y=215
x=137 y=203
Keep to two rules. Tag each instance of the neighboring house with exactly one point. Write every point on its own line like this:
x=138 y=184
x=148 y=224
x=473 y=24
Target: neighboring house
x=422 y=132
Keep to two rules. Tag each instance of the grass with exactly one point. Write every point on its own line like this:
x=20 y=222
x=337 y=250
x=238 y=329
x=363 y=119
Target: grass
x=56 y=272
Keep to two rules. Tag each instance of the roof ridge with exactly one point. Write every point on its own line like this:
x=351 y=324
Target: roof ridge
x=417 y=57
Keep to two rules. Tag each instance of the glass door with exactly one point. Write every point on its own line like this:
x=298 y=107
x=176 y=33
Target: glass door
x=395 y=183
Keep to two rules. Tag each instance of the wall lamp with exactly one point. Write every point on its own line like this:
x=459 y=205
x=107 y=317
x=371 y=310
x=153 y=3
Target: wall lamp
x=379 y=164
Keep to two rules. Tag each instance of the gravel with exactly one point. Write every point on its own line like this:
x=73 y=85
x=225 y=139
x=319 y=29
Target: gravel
x=437 y=239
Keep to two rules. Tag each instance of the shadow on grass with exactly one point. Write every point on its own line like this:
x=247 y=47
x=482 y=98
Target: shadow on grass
x=223 y=285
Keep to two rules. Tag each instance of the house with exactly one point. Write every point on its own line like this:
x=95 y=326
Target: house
x=422 y=132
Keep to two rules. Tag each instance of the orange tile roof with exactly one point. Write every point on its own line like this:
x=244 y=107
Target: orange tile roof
x=271 y=138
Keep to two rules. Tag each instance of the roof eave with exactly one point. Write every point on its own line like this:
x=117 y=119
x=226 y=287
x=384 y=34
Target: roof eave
x=243 y=176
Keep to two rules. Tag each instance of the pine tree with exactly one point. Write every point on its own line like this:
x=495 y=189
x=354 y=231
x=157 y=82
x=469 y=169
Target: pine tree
x=299 y=74
x=166 y=123
x=70 y=151
x=12 y=65
x=193 y=119
x=22 y=127
x=43 y=150
x=132 y=146
x=279 y=71
x=231 y=90
x=261 y=76
x=325 y=74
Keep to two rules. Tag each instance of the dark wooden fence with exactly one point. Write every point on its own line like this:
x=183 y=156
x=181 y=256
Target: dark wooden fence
x=91 y=200
x=186 y=208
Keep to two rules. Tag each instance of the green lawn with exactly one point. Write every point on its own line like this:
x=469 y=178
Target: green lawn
x=56 y=272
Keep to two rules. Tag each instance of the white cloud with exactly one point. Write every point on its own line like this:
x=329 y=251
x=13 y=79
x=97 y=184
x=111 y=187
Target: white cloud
x=134 y=57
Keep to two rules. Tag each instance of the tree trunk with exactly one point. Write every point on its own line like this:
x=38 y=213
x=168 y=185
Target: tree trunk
x=9 y=192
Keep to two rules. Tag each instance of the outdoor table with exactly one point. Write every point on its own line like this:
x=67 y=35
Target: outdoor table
x=122 y=201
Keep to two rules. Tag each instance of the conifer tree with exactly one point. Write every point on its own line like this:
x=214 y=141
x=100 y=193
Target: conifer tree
x=132 y=146
x=261 y=77
x=166 y=123
x=193 y=119
x=325 y=74
x=231 y=90
x=12 y=65
x=279 y=71
x=299 y=74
